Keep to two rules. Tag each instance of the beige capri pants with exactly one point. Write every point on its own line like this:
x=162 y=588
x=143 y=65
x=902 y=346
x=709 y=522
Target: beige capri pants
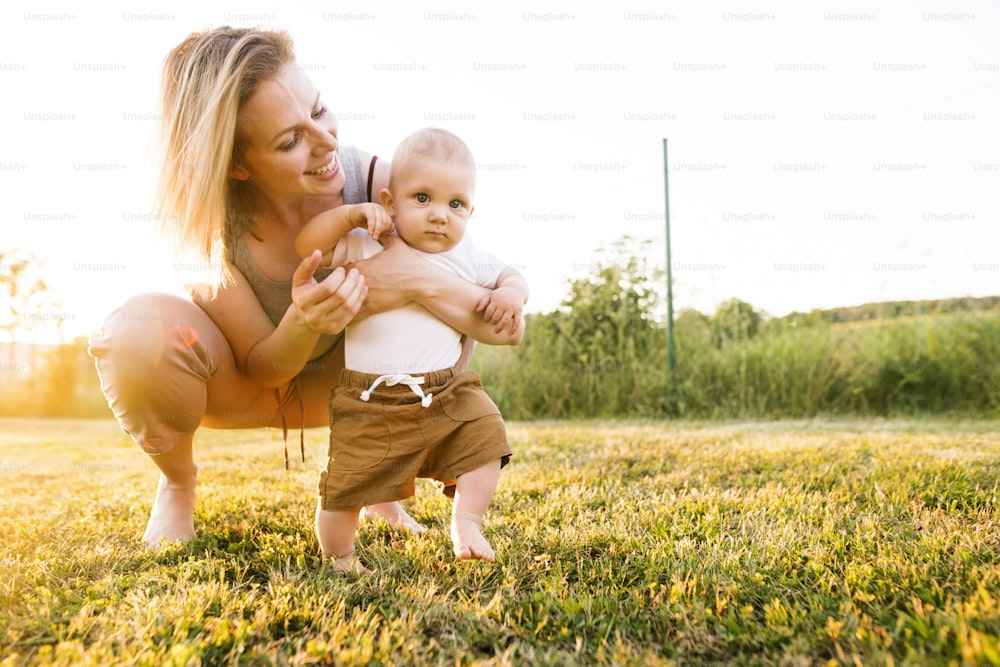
x=166 y=369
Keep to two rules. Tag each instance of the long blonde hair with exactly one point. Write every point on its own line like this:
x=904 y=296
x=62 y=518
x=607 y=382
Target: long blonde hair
x=206 y=80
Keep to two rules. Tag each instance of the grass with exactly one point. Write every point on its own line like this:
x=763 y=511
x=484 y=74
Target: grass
x=819 y=542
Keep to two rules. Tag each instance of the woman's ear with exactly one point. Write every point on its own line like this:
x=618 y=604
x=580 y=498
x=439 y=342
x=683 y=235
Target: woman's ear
x=238 y=173
x=387 y=201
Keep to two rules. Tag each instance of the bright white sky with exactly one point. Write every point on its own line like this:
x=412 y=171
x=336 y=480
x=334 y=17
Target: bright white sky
x=820 y=154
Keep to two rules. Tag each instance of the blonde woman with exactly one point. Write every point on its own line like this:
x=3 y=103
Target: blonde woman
x=250 y=154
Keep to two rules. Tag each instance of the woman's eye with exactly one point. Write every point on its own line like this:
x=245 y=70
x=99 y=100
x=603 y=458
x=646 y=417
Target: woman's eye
x=319 y=114
x=290 y=145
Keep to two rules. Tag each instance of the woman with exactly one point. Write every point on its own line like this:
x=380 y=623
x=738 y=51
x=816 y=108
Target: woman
x=250 y=155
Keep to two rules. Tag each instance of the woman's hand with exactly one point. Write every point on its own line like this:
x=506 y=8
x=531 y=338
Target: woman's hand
x=392 y=276
x=327 y=306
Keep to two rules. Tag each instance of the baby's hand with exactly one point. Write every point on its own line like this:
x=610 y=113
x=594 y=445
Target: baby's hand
x=503 y=307
x=373 y=217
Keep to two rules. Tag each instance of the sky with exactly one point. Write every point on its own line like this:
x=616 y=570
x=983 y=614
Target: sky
x=818 y=154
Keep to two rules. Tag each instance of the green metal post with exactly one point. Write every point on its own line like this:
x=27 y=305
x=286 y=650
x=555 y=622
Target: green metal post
x=670 y=283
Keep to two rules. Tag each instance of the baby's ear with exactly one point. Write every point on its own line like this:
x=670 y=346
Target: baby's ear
x=387 y=201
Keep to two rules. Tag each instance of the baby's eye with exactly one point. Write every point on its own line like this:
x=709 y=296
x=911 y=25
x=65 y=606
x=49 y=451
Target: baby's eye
x=423 y=198
x=456 y=203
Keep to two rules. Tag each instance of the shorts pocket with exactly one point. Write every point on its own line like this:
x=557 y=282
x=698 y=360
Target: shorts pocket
x=359 y=433
x=466 y=400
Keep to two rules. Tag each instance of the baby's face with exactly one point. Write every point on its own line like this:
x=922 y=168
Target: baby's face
x=431 y=202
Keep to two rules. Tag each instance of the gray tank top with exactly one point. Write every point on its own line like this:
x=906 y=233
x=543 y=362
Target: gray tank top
x=275 y=296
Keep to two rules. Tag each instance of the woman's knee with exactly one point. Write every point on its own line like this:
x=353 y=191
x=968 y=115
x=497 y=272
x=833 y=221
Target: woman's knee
x=154 y=357
x=143 y=327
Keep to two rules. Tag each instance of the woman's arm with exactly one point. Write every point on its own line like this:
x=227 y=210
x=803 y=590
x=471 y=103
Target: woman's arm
x=398 y=276
x=273 y=355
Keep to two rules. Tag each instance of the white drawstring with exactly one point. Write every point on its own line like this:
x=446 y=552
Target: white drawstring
x=400 y=378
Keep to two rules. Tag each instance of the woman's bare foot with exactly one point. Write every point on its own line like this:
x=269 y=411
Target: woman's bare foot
x=172 y=516
x=394 y=515
x=466 y=538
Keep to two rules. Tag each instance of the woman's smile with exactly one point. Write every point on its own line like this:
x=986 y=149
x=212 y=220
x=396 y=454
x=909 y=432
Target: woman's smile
x=328 y=170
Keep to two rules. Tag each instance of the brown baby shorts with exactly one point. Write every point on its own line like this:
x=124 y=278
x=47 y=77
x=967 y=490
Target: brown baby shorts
x=380 y=446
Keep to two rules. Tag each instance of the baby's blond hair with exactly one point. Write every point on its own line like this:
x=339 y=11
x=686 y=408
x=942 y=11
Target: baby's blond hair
x=431 y=142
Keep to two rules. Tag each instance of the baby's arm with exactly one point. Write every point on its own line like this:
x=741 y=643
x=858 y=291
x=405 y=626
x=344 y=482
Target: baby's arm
x=504 y=305
x=326 y=230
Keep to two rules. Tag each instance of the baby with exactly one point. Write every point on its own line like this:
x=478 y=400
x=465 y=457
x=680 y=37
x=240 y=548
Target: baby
x=400 y=411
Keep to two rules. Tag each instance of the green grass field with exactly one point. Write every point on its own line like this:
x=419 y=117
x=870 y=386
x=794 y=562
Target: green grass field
x=689 y=543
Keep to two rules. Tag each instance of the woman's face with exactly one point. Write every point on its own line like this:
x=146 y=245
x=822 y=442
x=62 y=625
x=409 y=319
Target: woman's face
x=289 y=139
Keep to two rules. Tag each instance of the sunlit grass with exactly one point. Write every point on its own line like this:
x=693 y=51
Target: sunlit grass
x=798 y=543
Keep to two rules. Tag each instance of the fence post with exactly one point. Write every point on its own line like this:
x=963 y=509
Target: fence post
x=671 y=386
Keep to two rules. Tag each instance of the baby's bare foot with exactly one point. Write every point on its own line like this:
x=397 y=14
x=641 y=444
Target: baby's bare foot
x=394 y=515
x=172 y=516
x=467 y=540
x=349 y=564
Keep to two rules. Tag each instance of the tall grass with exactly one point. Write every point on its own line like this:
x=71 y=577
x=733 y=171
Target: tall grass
x=948 y=365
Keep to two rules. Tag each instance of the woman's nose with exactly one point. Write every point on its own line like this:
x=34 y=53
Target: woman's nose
x=325 y=142
x=326 y=136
